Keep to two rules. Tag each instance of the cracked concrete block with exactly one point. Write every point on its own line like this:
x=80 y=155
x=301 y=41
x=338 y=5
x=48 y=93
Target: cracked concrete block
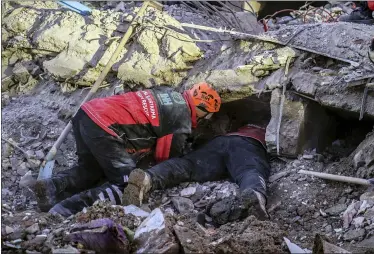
x=58 y=30
x=363 y=157
x=155 y=235
x=291 y=125
x=21 y=20
x=20 y=73
x=305 y=125
x=305 y=83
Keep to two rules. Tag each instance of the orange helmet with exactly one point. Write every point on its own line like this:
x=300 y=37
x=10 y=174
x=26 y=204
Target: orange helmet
x=205 y=97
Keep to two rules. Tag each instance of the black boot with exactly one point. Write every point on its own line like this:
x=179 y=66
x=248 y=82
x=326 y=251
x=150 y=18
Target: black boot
x=249 y=202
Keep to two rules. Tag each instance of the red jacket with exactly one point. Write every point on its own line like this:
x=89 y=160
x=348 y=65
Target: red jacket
x=371 y=5
x=251 y=131
x=157 y=118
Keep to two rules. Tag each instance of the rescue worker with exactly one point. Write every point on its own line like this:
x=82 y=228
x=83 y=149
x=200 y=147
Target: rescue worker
x=240 y=155
x=111 y=135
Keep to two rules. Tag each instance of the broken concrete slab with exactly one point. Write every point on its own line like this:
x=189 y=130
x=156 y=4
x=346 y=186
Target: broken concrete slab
x=57 y=30
x=136 y=211
x=304 y=125
x=363 y=157
x=238 y=70
x=155 y=235
x=158 y=56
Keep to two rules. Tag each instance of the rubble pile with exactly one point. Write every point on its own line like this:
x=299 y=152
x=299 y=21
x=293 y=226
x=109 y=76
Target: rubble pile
x=309 y=14
x=299 y=78
x=323 y=73
x=159 y=230
x=74 y=49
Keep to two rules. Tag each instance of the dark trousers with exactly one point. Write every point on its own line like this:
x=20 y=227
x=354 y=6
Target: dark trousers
x=243 y=159
x=100 y=156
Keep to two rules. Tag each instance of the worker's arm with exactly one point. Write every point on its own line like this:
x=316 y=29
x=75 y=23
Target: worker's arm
x=169 y=146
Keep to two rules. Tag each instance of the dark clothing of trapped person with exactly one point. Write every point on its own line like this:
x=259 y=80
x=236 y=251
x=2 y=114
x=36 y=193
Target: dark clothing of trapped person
x=241 y=156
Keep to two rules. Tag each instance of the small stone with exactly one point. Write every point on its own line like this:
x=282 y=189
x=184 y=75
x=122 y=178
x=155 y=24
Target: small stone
x=22 y=169
x=136 y=211
x=39 y=239
x=8 y=230
x=342 y=200
x=183 y=205
x=308 y=156
x=328 y=228
x=30 y=153
x=16 y=234
x=46 y=231
x=337 y=209
x=36 y=145
x=39 y=154
x=7 y=207
x=30 y=237
x=368 y=196
x=68 y=250
x=358 y=222
x=17 y=241
x=348 y=190
x=354 y=234
x=33 y=163
x=5 y=192
x=33 y=228
x=164 y=200
x=58 y=232
x=188 y=192
x=338 y=230
x=279 y=175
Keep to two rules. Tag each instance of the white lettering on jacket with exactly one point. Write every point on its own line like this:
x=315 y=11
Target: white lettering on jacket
x=147 y=104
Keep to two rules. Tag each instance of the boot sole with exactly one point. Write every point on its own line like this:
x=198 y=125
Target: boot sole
x=251 y=201
x=40 y=191
x=133 y=194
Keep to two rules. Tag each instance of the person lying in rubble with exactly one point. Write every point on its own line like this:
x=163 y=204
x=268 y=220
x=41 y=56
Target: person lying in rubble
x=240 y=155
x=112 y=133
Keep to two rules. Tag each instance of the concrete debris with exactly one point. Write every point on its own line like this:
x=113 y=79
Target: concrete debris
x=354 y=234
x=336 y=210
x=310 y=14
x=323 y=246
x=67 y=250
x=183 y=205
x=363 y=157
x=188 y=192
x=136 y=211
x=155 y=235
x=80 y=48
x=33 y=228
x=294 y=248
